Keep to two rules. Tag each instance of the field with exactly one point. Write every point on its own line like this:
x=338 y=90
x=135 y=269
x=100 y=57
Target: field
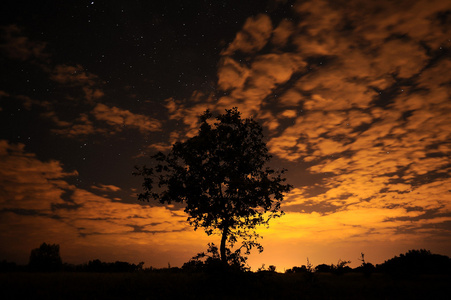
x=179 y=285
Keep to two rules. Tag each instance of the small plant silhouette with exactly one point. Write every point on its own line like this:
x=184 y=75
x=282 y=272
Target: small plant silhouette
x=341 y=267
x=366 y=268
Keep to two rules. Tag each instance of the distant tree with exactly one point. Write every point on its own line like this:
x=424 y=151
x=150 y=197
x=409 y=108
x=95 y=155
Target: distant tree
x=6 y=266
x=45 y=258
x=96 y=266
x=302 y=269
x=222 y=177
x=323 y=268
x=119 y=266
x=341 y=267
x=417 y=262
x=139 y=267
x=270 y=269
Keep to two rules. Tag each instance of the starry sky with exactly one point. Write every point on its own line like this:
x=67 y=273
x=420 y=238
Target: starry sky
x=354 y=98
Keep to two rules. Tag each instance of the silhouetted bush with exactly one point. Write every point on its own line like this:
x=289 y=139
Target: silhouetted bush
x=115 y=267
x=417 y=262
x=366 y=268
x=6 y=266
x=46 y=258
x=301 y=269
x=211 y=261
x=323 y=268
x=341 y=267
x=305 y=270
x=271 y=268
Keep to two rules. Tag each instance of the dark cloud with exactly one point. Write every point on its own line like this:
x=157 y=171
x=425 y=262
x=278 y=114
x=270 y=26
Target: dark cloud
x=17 y=46
x=77 y=76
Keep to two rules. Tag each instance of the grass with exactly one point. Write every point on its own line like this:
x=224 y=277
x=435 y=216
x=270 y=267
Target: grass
x=161 y=285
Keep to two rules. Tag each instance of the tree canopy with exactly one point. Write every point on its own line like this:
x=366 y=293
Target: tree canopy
x=45 y=258
x=221 y=176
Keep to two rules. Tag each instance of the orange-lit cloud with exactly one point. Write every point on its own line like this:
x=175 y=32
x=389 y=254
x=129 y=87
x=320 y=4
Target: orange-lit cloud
x=253 y=37
x=117 y=117
x=82 y=126
x=38 y=204
x=366 y=89
x=106 y=187
x=103 y=119
x=79 y=77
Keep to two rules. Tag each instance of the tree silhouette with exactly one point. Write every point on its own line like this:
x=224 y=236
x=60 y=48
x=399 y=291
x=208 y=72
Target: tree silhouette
x=420 y=261
x=45 y=258
x=222 y=177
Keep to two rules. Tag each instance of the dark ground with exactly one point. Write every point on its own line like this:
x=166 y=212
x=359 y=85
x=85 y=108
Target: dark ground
x=154 y=285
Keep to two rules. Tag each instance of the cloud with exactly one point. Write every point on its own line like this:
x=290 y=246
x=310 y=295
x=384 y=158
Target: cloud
x=77 y=76
x=81 y=126
x=249 y=87
x=18 y=46
x=358 y=92
x=82 y=81
x=265 y=74
x=37 y=203
x=420 y=20
x=289 y=113
x=106 y=188
x=73 y=75
x=231 y=74
x=103 y=119
x=402 y=58
x=282 y=33
x=3 y=94
x=253 y=37
x=117 y=117
x=28 y=183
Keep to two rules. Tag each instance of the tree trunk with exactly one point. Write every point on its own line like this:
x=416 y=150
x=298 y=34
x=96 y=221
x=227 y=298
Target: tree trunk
x=222 y=249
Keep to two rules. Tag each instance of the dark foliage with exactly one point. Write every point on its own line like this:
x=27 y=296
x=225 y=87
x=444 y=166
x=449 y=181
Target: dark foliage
x=417 y=262
x=211 y=261
x=6 y=266
x=366 y=268
x=271 y=268
x=323 y=268
x=245 y=285
x=341 y=267
x=118 y=266
x=221 y=176
x=98 y=266
x=298 y=270
x=46 y=258
x=304 y=269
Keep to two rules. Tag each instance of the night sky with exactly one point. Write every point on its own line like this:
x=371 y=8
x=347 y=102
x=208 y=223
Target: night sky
x=354 y=98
